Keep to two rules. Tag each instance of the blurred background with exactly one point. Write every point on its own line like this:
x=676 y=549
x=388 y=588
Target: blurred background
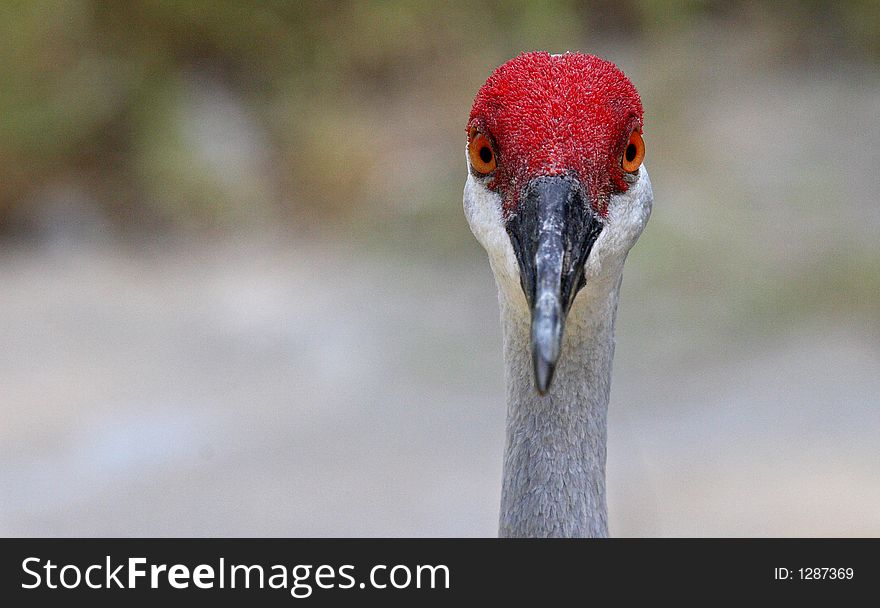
x=238 y=295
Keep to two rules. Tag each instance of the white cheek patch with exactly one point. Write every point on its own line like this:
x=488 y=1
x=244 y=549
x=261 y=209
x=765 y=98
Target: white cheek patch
x=628 y=214
x=482 y=207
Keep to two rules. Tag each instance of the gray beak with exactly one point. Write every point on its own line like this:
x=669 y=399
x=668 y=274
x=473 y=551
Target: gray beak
x=552 y=234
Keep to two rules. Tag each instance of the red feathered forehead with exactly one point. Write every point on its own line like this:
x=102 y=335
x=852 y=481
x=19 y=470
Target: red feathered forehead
x=553 y=114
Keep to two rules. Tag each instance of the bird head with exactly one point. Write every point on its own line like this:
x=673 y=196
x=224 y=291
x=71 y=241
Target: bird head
x=556 y=191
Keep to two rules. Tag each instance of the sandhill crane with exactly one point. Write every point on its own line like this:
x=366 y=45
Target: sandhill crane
x=557 y=195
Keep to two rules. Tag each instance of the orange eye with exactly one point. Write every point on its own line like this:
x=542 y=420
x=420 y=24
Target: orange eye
x=634 y=153
x=481 y=153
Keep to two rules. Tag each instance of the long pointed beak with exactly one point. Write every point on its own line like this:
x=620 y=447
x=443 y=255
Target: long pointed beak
x=552 y=235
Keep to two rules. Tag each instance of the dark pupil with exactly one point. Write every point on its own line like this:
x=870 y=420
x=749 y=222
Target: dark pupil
x=630 y=152
x=485 y=154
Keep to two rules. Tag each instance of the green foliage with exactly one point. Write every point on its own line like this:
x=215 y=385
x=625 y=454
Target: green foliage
x=343 y=94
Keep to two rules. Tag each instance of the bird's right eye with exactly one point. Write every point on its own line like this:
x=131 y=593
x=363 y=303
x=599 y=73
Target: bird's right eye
x=481 y=153
x=634 y=153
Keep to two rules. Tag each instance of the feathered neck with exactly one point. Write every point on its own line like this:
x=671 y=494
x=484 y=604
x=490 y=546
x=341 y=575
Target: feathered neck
x=554 y=461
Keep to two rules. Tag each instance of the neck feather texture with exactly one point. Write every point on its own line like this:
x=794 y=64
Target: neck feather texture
x=554 y=461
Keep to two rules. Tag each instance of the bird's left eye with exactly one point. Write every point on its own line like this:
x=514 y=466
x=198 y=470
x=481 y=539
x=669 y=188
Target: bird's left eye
x=481 y=153
x=634 y=153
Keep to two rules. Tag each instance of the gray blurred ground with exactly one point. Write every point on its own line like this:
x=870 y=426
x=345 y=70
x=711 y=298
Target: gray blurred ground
x=346 y=379
x=306 y=390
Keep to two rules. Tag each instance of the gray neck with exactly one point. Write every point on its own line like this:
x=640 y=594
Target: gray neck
x=554 y=461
